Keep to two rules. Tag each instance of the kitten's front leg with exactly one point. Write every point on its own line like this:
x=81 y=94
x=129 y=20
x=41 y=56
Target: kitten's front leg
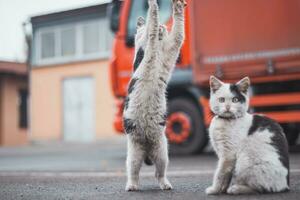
x=177 y=33
x=222 y=177
x=153 y=23
x=176 y=37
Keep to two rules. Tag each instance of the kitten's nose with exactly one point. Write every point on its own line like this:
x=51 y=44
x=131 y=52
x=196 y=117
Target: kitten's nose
x=227 y=107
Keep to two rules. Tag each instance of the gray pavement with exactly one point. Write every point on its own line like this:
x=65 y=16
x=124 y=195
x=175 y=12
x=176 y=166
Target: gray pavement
x=97 y=171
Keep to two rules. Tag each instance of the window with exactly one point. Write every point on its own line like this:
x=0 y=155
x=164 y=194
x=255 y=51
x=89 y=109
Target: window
x=91 y=38
x=48 y=45
x=73 y=42
x=23 y=108
x=68 y=42
x=140 y=8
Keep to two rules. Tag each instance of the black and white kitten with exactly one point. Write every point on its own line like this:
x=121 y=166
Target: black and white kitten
x=145 y=106
x=252 y=149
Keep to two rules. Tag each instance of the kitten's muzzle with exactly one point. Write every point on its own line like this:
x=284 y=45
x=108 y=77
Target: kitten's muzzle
x=227 y=114
x=227 y=108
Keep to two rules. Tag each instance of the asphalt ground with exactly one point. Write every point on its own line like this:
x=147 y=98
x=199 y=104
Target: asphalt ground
x=97 y=171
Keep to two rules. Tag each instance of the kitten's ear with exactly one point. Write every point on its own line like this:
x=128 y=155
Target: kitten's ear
x=243 y=85
x=140 y=22
x=215 y=83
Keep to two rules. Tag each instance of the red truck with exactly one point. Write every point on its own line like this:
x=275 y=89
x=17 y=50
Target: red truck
x=228 y=39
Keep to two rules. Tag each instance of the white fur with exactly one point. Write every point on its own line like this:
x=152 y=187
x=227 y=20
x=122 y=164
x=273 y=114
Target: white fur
x=147 y=102
x=247 y=163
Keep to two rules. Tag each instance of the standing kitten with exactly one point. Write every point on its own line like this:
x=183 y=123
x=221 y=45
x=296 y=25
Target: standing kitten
x=252 y=149
x=145 y=106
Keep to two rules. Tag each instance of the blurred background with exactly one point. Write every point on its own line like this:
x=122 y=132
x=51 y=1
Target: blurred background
x=54 y=71
x=65 y=66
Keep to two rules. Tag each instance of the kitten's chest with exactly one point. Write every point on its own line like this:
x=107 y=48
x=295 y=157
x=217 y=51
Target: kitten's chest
x=226 y=134
x=221 y=127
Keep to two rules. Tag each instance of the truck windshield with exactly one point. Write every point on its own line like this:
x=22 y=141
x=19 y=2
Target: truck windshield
x=140 y=8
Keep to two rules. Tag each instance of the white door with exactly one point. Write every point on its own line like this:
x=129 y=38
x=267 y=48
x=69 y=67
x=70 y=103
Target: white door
x=78 y=109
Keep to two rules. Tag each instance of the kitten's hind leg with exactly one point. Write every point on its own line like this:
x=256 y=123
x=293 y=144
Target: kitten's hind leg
x=161 y=161
x=240 y=189
x=135 y=157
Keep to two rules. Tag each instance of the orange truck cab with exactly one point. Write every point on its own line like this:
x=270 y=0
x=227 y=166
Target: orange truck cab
x=228 y=39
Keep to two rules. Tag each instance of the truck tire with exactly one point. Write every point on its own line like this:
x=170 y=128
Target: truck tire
x=185 y=130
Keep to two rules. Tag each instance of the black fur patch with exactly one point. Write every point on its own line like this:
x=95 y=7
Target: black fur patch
x=235 y=90
x=129 y=125
x=126 y=103
x=138 y=59
x=163 y=80
x=148 y=161
x=131 y=85
x=227 y=118
x=279 y=141
x=163 y=123
x=261 y=123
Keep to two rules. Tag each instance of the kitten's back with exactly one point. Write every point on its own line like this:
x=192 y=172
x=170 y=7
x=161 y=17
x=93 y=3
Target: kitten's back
x=278 y=139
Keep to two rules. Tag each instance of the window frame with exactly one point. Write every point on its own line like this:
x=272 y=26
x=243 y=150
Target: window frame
x=79 y=53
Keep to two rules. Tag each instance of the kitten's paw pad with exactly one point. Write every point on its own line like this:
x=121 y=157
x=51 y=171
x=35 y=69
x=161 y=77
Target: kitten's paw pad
x=212 y=190
x=131 y=187
x=166 y=186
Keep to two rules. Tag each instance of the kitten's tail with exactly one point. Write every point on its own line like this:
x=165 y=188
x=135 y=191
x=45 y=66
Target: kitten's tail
x=148 y=161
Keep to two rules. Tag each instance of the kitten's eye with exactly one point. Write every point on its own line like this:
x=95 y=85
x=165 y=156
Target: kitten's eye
x=235 y=99
x=221 y=99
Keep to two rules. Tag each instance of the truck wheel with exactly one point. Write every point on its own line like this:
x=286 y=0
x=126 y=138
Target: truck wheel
x=185 y=128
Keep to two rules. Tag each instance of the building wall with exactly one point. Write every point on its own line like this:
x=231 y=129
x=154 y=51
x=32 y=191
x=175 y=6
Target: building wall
x=10 y=132
x=47 y=98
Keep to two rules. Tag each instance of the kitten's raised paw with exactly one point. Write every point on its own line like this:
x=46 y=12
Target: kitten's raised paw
x=212 y=190
x=151 y=2
x=131 y=187
x=179 y=5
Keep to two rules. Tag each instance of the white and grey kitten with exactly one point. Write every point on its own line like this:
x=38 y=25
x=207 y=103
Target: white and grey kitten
x=252 y=149
x=144 y=117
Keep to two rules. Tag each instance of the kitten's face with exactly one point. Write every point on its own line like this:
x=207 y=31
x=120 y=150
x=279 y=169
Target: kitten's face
x=229 y=100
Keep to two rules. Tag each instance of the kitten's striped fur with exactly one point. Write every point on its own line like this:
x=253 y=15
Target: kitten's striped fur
x=156 y=52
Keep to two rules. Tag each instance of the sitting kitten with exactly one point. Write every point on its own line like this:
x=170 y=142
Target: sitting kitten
x=252 y=149
x=144 y=114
